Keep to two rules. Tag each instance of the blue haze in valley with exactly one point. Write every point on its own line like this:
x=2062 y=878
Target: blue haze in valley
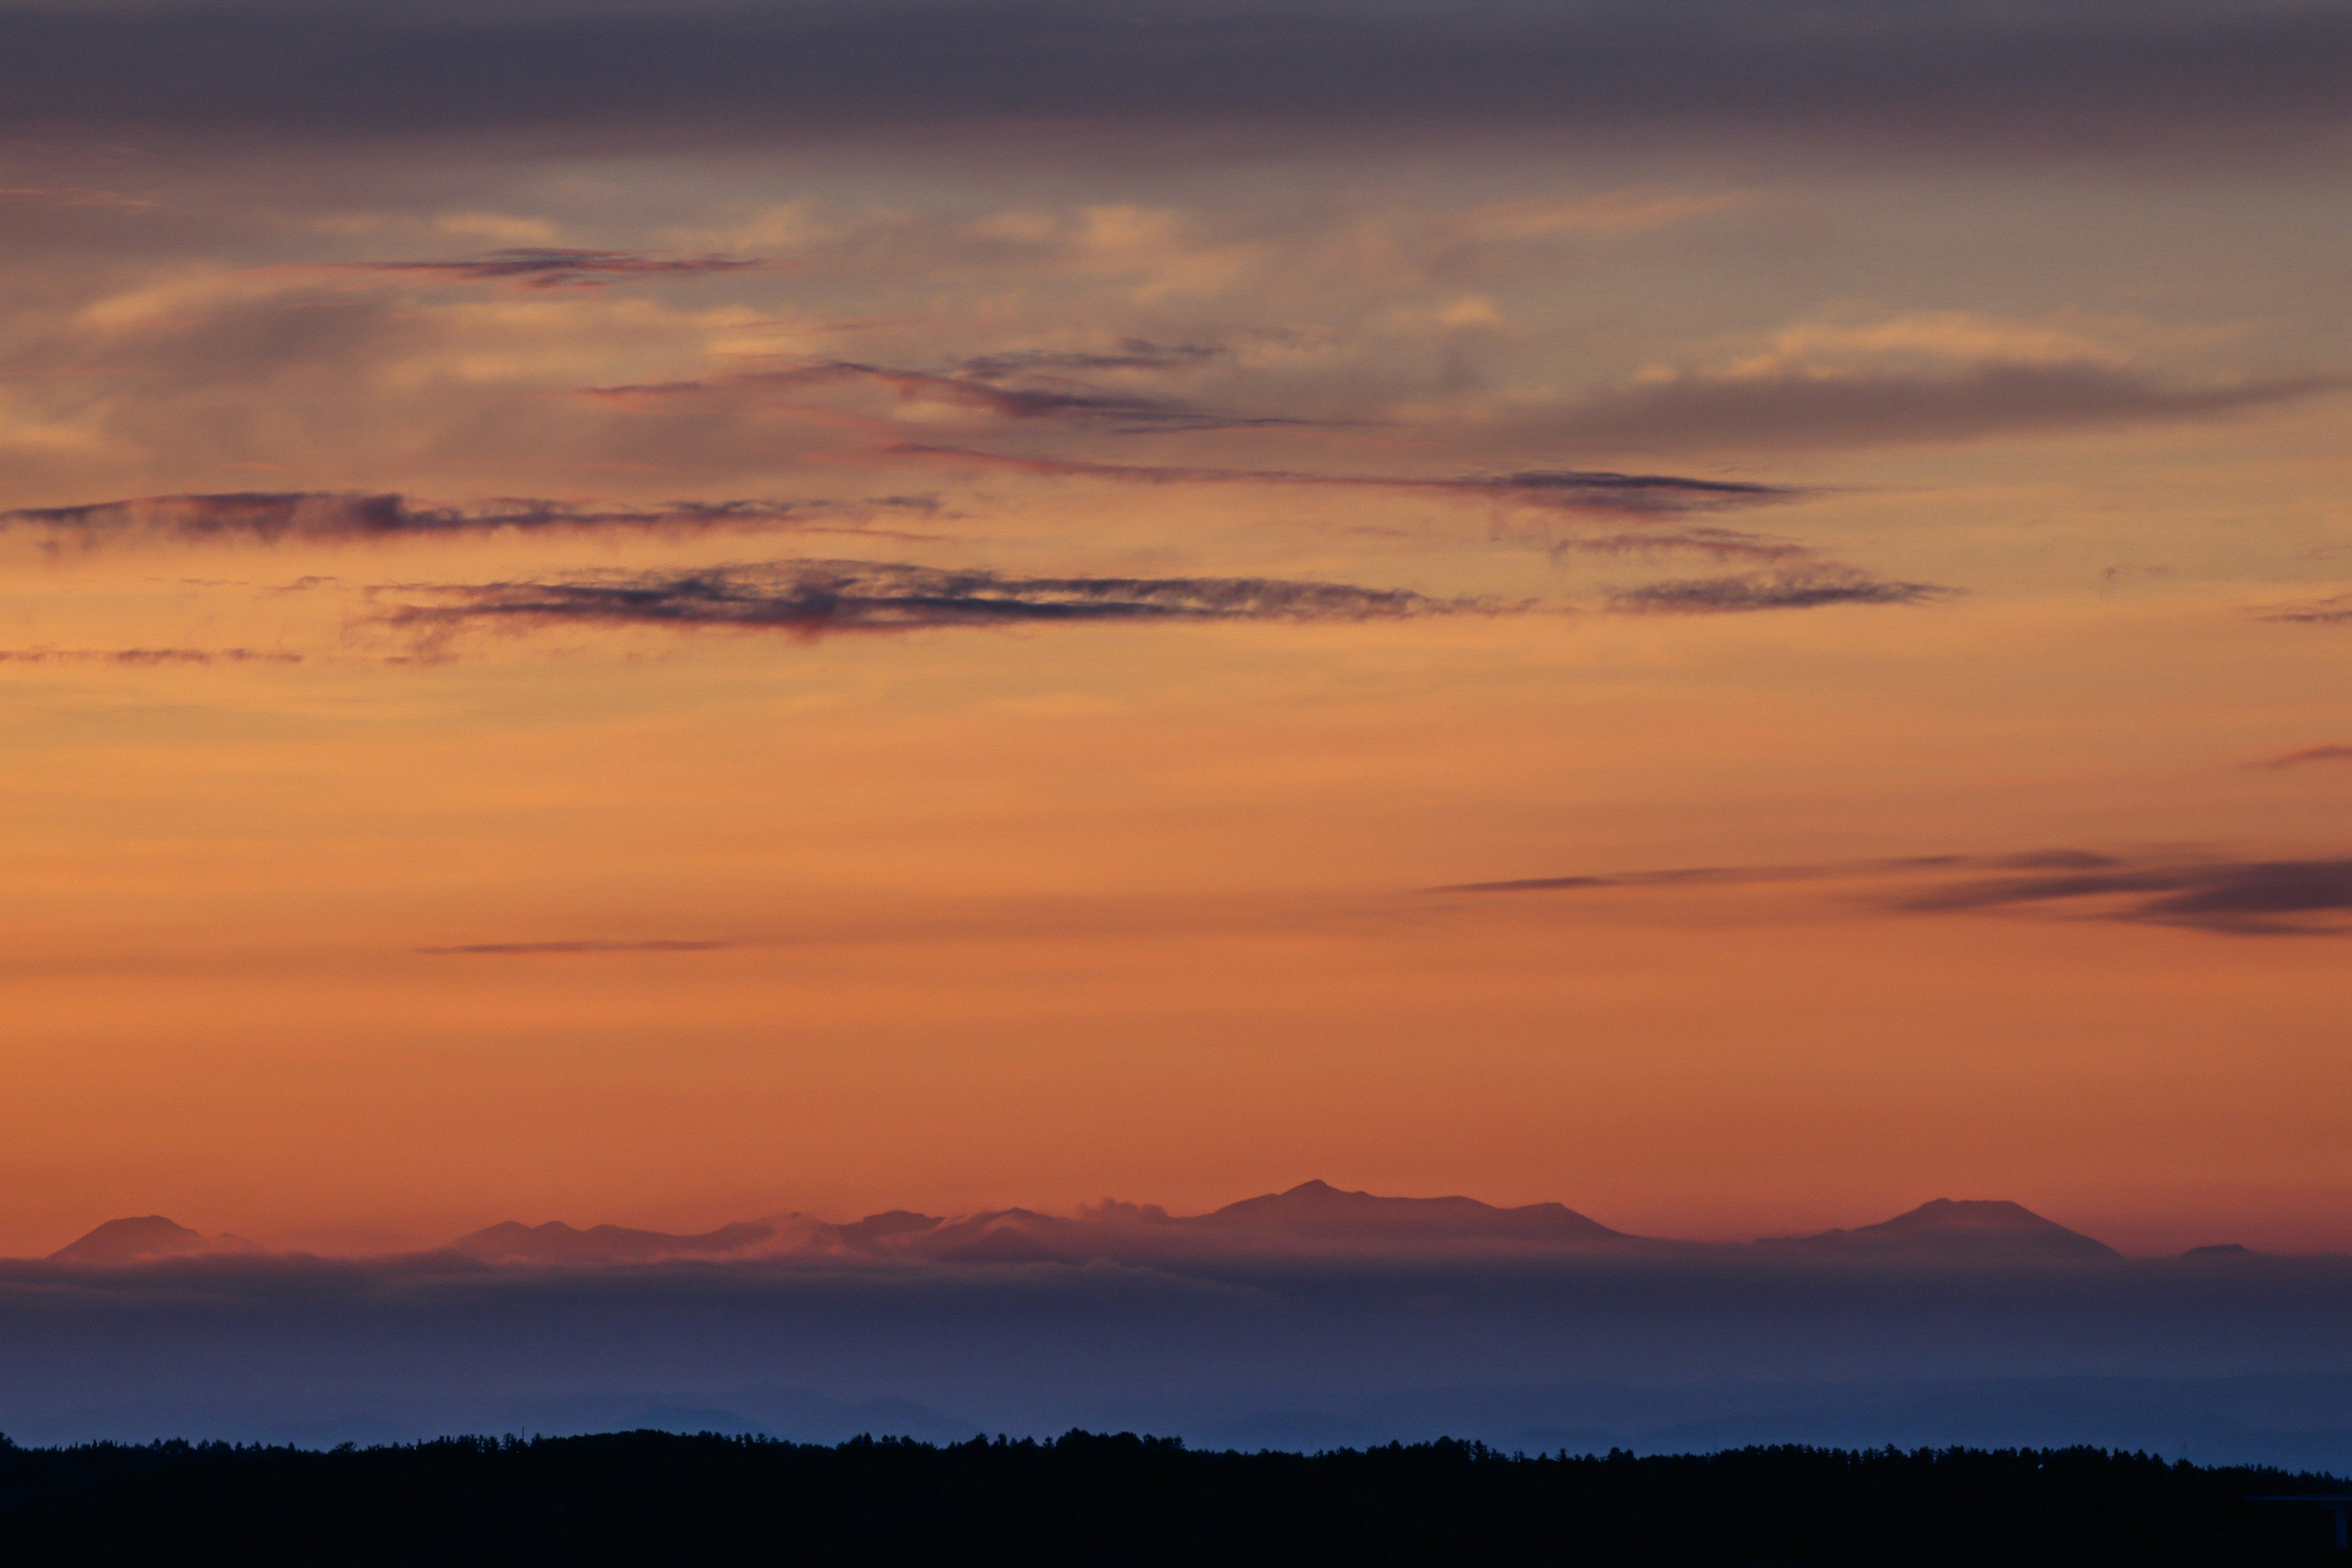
x=1311 y=1319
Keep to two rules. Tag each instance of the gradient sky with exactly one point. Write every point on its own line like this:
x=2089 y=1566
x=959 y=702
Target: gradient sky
x=653 y=612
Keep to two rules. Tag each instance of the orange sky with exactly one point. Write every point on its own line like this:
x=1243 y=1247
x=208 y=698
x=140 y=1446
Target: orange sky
x=1023 y=899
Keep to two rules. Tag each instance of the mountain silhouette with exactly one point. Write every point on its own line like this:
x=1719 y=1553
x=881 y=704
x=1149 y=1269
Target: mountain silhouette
x=1001 y=1243
x=1312 y=1213
x=143 y=1239
x=556 y=1242
x=1972 y=1231
x=1319 y=1211
x=863 y=1235
x=1314 y=1217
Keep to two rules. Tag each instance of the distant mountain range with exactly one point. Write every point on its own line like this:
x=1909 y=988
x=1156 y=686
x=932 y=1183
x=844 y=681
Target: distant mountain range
x=1312 y=1219
x=1313 y=1215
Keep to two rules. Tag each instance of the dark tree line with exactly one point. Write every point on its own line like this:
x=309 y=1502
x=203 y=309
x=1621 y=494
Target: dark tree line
x=651 y=1497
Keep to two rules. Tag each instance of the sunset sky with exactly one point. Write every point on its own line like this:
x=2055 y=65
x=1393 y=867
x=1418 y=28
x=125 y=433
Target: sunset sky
x=1735 y=614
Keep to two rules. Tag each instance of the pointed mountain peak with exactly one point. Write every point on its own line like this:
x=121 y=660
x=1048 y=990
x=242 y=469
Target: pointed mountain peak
x=145 y=1236
x=1976 y=1229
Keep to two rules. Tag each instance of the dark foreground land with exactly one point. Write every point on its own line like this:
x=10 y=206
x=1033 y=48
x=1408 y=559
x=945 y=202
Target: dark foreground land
x=651 y=1497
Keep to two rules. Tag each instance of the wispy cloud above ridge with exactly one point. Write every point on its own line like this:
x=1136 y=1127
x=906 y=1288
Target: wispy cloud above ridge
x=343 y=516
x=550 y=267
x=2223 y=896
x=815 y=598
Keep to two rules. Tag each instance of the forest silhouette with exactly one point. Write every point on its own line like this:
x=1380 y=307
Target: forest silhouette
x=648 y=1496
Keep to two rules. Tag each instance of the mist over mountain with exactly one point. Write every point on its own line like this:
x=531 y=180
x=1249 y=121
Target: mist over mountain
x=556 y=1242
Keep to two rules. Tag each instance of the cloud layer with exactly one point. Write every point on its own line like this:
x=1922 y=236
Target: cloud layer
x=2004 y=75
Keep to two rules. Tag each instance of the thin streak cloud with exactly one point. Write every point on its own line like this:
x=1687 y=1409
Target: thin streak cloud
x=1563 y=489
x=1569 y=493
x=544 y=268
x=336 y=517
x=2333 y=611
x=74 y=196
x=1817 y=409
x=2221 y=896
x=2236 y=898
x=146 y=656
x=2307 y=755
x=814 y=598
x=1131 y=355
x=541 y=949
x=1770 y=591
x=1059 y=402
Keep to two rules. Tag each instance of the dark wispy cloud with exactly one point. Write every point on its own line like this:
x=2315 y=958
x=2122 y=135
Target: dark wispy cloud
x=538 y=949
x=1797 y=408
x=2335 y=610
x=1558 y=489
x=73 y=196
x=1658 y=505
x=2307 y=754
x=1130 y=354
x=2239 y=897
x=146 y=656
x=336 y=516
x=1703 y=876
x=2232 y=897
x=991 y=392
x=1801 y=590
x=812 y=598
x=540 y=268
x=1941 y=76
